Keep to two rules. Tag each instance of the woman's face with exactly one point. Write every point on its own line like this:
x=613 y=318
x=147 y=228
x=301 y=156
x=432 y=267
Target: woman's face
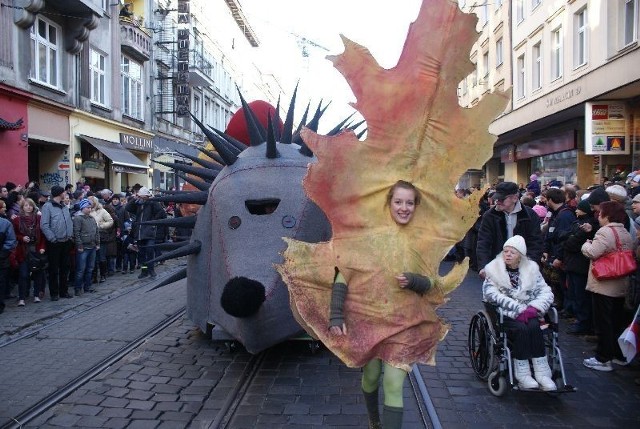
x=511 y=256
x=402 y=205
x=66 y=200
x=28 y=208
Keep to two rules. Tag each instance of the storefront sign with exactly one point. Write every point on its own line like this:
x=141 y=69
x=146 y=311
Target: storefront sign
x=606 y=128
x=183 y=92
x=136 y=142
x=562 y=95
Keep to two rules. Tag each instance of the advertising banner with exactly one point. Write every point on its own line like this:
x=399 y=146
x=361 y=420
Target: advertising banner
x=606 y=128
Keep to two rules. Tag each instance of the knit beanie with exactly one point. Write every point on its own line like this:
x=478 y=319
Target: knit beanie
x=617 y=191
x=597 y=196
x=541 y=211
x=517 y=242
x=84 y=203
x=585 y=207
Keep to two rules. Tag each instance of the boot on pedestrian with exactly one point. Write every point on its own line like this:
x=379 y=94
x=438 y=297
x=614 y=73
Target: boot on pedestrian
x=391 y=417
x=371 y=402
x=542 y=373
x=522 y=373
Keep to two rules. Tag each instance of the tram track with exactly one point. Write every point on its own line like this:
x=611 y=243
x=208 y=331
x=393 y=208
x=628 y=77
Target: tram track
x=45 y=323
x=53 y=399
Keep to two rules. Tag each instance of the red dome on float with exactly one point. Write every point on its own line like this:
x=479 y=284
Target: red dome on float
x=237 y=127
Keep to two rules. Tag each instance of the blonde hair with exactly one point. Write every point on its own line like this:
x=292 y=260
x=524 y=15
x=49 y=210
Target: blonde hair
x=32 y=203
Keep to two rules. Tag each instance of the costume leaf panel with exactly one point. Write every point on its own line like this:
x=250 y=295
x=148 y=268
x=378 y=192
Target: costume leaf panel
x=417 y=132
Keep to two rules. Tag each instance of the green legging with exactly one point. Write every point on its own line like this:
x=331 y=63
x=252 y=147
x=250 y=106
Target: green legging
x=392 y=381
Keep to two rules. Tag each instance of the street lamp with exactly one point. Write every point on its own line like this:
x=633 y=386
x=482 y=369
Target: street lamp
x=77 y=161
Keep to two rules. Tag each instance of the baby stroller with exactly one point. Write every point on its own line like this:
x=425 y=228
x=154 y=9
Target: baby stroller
x=490 y=353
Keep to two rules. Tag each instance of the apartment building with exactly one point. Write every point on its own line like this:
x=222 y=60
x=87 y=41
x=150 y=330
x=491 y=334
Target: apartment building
x=491 y=55
x=91 y=90
x=575 y=91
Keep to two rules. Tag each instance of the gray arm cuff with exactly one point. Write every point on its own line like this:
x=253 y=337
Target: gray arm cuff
x=336 y=311
x=418 y=283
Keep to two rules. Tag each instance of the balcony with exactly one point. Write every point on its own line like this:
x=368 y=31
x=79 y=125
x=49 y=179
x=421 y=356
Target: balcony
x=135 y=40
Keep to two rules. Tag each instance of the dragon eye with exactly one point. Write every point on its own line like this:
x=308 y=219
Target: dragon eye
x=234 y=222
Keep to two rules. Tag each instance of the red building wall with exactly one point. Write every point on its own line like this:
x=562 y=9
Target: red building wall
x=13 y=143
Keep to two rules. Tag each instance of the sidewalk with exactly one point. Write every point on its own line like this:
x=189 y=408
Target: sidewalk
x=16 y=321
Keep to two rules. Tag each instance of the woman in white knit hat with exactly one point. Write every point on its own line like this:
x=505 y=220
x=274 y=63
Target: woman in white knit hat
x=514 y=284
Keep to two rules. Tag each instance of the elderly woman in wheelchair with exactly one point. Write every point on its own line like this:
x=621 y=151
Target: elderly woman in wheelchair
x=516 y=287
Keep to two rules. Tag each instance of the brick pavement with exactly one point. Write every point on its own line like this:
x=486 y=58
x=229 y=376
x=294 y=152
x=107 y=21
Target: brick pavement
x=180 y=379
x=104 y=322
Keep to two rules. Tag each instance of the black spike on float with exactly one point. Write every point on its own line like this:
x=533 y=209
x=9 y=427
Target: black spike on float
x=361 y=133
x=257 y=133
x=177 y=276
x=304 y=149
x=203 y=162
x=276 y=120
x=339 y=127
x=203 y=173
x=315 y=121
x=272 y=150
x=287 y=130
x=178 y=222
x=169 y=245
x=190 y=249
x=202 y=186
x=186 y=197
x=354 y=126
x=217 y=158
x=235 y=142
x=303 y=121
x=226 y=150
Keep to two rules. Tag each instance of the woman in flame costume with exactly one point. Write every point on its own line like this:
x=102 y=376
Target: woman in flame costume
x=419 y=133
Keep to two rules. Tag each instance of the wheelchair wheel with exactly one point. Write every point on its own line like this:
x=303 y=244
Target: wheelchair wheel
x=497 y=384
x=480 y=345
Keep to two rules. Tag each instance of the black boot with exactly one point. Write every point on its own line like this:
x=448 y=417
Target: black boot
x=391 y=417
x=371 y=402
x=103 y=272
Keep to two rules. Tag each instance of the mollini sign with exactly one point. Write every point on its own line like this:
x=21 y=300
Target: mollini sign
x=136 y=142
x=183 y=92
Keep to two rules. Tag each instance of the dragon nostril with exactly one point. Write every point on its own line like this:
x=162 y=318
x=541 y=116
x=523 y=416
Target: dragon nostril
x=242 y=297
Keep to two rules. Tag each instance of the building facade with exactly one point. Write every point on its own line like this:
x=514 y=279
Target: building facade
x=92 y=90
x=570 y=61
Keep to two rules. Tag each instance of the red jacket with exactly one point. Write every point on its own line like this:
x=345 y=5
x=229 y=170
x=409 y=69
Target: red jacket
x=20 y=252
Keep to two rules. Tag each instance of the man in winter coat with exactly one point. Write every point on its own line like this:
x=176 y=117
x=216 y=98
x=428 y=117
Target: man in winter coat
x=145 y=209
x=7 y=243
x=57 y=227
x=507 y=218
x=560 y=223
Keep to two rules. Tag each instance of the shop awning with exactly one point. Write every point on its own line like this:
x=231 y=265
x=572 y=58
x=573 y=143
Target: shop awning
x=118 y=155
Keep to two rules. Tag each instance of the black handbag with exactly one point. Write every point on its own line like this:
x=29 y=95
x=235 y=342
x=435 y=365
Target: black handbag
x=37 y=261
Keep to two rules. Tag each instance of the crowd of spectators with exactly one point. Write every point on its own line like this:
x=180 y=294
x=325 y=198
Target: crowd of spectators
x=68 y=240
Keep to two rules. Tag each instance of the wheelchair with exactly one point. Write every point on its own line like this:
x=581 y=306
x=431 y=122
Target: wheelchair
x=490 y=353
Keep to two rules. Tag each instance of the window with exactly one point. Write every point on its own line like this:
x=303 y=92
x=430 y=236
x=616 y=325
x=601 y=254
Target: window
x=132 y=88
x=630 y=11
x=536 y=74
x=474 y=78
x=499 y=52
x=519 y=11
x=485 y=64
x=521 y=76
x=98 y=77
x=580 y=50
x=556 y=53
x=465 y=86
x=45 y=51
